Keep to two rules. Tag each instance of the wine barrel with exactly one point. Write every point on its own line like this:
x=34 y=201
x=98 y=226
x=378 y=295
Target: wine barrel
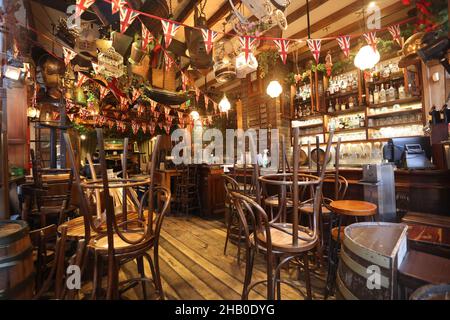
x=432 y=292
x=370 y=255
x=16 y=261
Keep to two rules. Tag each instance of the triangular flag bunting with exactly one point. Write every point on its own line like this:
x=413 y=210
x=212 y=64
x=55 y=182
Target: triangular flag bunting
x=168 y=61
x=146 y=37
x=206 y=101
x=395 y=33
x=197 y=94
x=184 y=81
x=103 y=92
x=82 y=6
x=127 y=17
x=68 y=55
x=371 y=39
x=116 y=5
x=209 y=36
x=81 y=79
x=169 y=29
x=315 y=45
x=123 y=103
x=344 y=44
x=136 y=94
x=247 y=45
x=135 y=127
x=283 y=48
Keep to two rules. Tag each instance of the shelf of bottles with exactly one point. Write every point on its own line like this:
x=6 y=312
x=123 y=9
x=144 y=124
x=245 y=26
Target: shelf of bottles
x=342 y=93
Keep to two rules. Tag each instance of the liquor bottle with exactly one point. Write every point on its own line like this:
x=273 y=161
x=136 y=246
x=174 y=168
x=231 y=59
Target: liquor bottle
x=351 y=103
x=343 y=106
x=376 y=96
x=330 y=108
x=371 y=97
x=382 y=94
x=391 y=93
x=362 y=122
x=355 y=82
x=401 y=92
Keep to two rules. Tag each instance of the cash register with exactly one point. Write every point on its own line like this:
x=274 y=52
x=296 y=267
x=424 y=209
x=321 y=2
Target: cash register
x=414 y=157
x=409 y=152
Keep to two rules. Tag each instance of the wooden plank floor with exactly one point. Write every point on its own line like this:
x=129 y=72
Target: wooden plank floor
x=193 y=265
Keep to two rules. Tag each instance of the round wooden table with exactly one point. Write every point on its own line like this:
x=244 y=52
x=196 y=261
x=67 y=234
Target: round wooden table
x=354 y=208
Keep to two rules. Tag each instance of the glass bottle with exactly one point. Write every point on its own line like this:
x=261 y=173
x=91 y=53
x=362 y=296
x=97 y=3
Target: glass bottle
x=330 y=108
x=351 y=103
x=382 y=94
x=376 y=96
x=401 y=92
x=391 y=93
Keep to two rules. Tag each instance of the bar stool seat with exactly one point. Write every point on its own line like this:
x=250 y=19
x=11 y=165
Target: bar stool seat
x=272 y=201
x=101 y=243
x=309 y=209
x=281 y=237
x=354 y=208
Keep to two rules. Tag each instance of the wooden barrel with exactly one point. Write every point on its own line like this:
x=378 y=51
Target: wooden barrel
x=16 y=261
x=370 y=255
x=432 y=292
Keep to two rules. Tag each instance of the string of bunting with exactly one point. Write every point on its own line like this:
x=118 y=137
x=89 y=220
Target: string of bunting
x=170 y=27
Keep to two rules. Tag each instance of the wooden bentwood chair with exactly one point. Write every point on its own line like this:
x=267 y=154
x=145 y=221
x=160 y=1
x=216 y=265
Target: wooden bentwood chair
x=281 y=242
x=124 y=238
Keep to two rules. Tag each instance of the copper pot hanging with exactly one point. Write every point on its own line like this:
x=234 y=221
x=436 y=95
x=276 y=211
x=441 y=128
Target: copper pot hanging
x=52 y=71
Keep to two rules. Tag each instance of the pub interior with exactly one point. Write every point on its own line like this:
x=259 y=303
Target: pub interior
x=224 y=150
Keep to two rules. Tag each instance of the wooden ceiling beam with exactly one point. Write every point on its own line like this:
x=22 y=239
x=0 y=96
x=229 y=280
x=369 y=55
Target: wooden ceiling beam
x=333 y=17
x=186 y=12
x=220 y=13
x=355 y=27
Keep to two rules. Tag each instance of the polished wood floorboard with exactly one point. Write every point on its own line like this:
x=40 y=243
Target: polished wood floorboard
x=193 y=265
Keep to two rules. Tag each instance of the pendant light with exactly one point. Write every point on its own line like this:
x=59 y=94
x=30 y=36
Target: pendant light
x=274 y=89
x=224 y=104
x=367 y=57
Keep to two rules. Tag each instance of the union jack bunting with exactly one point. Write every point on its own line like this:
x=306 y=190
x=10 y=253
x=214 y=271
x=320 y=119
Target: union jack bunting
x=140 y=109
x=110 y=124
x=283 y=48
x=146 y=37
x=82 y=6
x=123 y=103
x=167 y=128
x=395 y=33
x=144 y=128
x=206 y=101
x=84 y=113
x=127 y=17
x=315 y=45
x=180 y=114
x=103 y=92
x=197 y=94
x=152 y=128
x=160 y=125
x=209 y=36
x=116 y=5
x=81 y=79
x=68 y=55
x=247 y=45
x=184 y=80
x=136 y=94
x=169 y=29
x=135 y=127
x=168 y=61
x=121 y=126
x=167 y=110
x=156 y=114
x=96 y=68
x=71 y=116
x=344 y=44
x=169 y=119
x=153 y=104
x=371 y=39
x=100 y=121
x=116 y=114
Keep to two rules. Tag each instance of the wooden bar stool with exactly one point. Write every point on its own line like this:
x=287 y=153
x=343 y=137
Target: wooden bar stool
x=354 y=209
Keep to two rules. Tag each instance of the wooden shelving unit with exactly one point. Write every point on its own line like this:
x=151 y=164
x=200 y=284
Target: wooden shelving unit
x=365 y=106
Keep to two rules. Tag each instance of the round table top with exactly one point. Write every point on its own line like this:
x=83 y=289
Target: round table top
x=354 y=208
